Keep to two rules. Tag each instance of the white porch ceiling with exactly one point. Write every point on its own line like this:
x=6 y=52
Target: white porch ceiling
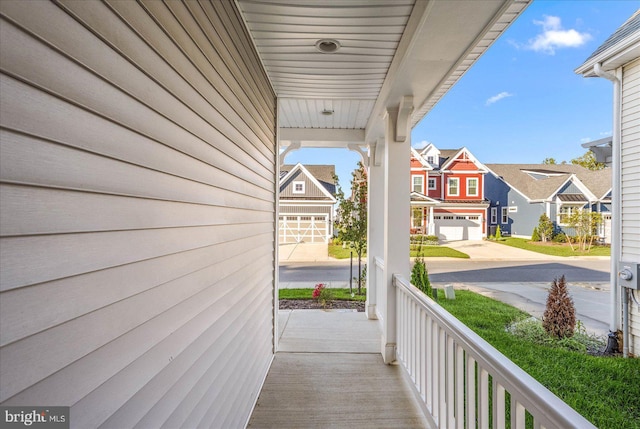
x=389 y=49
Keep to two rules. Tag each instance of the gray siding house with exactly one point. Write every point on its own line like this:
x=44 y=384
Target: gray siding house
x=306 y=203
x=521 y=193
x=618 y=60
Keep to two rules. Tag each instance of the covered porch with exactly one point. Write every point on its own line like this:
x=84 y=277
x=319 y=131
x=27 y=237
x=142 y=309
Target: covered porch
x=328 y=372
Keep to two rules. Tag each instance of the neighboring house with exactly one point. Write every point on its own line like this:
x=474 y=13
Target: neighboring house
x=521 y=193
x=307 y=199
x=618 y=60
x=447 y=194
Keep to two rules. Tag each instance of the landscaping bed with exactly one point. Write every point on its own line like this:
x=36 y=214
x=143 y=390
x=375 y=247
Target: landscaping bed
x=554 y=249
x=312 y=304
x=605 y=390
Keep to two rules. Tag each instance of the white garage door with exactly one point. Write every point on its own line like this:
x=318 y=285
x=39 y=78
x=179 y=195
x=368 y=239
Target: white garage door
x=303 y=229
x=451 y=228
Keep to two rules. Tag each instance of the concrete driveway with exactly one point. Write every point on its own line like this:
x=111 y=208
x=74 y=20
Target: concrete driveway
x=303 y=252
x=490 y=251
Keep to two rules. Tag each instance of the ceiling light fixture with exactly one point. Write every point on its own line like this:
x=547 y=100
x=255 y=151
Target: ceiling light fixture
x=327 y=46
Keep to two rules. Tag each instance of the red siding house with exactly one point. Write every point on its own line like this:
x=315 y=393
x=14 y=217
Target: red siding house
x=447 y=194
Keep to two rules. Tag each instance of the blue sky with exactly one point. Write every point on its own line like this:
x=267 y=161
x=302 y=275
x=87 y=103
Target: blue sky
x=521 y=102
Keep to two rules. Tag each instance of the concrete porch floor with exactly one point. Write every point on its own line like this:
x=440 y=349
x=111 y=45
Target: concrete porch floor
x=328 y=372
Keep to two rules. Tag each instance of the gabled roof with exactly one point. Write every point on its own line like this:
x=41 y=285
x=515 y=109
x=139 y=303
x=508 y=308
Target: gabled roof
x=522 y=177
x=417 y=197
x=452 y=155
x=321 y=175
x=418 y=156
x=620 y=48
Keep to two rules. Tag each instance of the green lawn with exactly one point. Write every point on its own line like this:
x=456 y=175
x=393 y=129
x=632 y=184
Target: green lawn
x=336 y=251
x=438 y=251
x=555 y=249
x=605 y=390
x=339 y=294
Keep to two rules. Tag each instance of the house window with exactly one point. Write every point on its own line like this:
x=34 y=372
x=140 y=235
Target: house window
x=418 y=184
x=472 y=186
x=494 y=215
x=432 y=183
x=505 y=215
x=431 y=160
x=453 y=186
x=298 y=187
x=565 y=212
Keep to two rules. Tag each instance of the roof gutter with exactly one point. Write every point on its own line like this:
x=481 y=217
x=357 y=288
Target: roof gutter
x=616 y=226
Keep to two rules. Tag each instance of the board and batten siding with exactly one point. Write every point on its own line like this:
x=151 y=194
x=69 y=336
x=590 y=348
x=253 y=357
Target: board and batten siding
x=310 y=188
x=137 y=202
x=630 y=174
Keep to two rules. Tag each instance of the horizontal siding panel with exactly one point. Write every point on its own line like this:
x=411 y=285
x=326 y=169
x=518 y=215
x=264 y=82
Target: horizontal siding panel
x=45 y=115
x=160 y=39
x=224 y=15
x=35 y=259
x=148 y=117
x=75 y=381
x=187 y=340
x=32 y=161
x=27 y=311
x=137 y=211
x=153 y=403
x=72 y=211
x=96 y=329
x=210 y=63
x=208 y=395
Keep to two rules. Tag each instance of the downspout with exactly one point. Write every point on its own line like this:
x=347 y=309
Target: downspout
x=616 y=245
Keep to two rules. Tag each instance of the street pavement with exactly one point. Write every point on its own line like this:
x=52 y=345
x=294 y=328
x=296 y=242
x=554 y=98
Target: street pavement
x=493 y=270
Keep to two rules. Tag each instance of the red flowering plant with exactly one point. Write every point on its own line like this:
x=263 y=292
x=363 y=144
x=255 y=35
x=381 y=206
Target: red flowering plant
x=322 y=294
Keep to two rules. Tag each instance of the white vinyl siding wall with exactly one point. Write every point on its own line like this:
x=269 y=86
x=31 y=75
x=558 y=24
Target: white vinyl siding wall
x=630 y=174
x=137 y=202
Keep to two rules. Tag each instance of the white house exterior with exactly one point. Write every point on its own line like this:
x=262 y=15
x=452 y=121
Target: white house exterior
x=618 y=60
x=139 y=190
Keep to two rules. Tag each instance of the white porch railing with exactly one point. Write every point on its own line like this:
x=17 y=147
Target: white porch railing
x=463 y=381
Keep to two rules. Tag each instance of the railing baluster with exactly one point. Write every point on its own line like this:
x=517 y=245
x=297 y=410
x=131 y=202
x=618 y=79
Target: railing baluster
x=435 y=356
x=421 y=355
x=471 y=392
x=499 y=415
x=442 y=367
x=451 y=365
x=517 y=415
x=483 y=398
x=459 y=387
x=429 y=358
x=452 y=368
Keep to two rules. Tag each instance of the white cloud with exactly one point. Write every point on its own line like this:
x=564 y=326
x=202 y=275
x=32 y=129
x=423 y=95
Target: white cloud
x=606 y=133
x=553 y=37
x=585 y=140
x=498 y=97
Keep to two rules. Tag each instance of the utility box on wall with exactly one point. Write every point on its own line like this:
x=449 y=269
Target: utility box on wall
x=629 y=274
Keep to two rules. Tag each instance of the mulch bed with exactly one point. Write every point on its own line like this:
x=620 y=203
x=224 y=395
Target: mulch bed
x=311 y=304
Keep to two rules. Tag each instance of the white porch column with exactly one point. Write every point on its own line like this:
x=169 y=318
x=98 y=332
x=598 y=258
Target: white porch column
x=397 y=202
x=431 y=227
x=375 y=222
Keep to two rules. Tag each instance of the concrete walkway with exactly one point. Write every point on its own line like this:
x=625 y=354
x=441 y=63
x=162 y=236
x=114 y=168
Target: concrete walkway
x=328 y=372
